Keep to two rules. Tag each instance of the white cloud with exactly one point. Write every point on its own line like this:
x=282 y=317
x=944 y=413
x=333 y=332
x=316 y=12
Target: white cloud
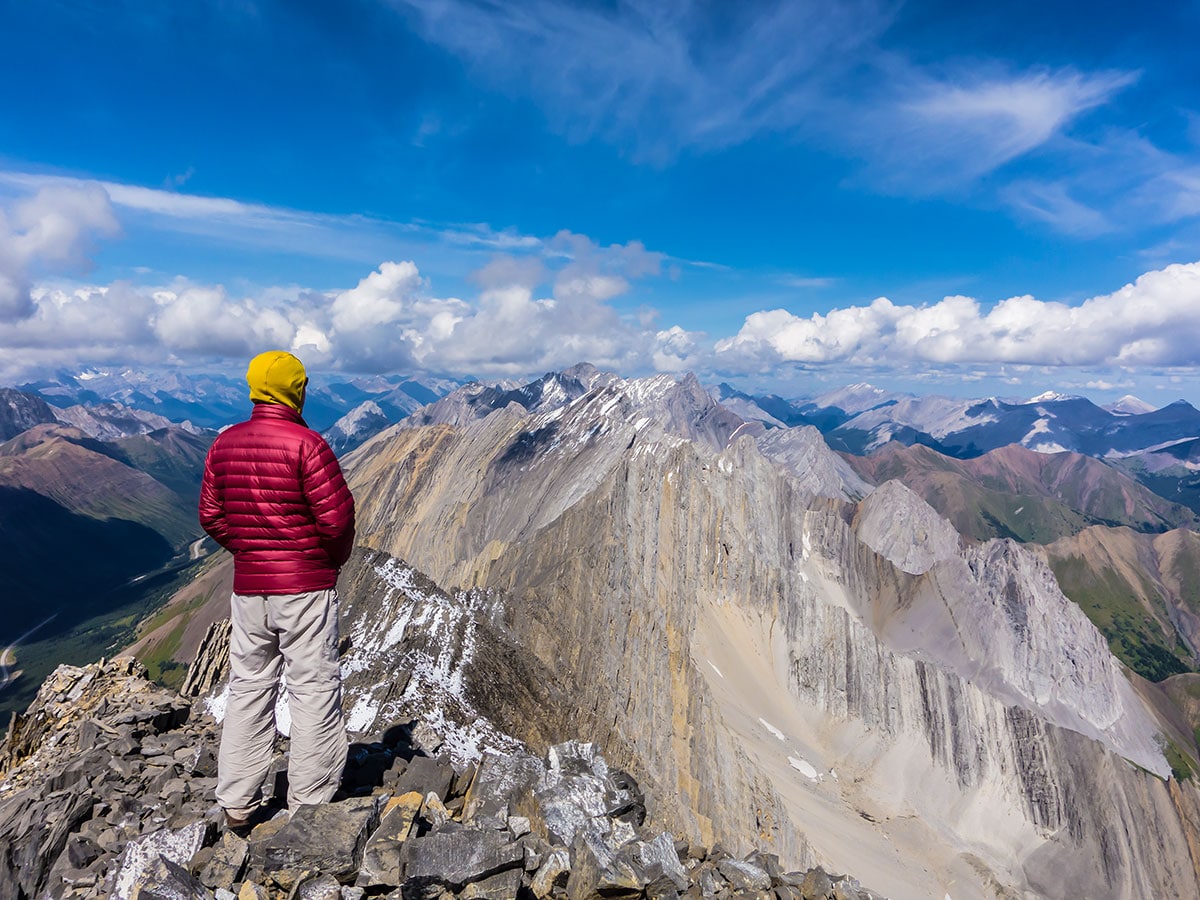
x=388 y=322
x=206 y=321
x=1153 y=322
x=678 y=350
x=535 y=313
x=52 y=229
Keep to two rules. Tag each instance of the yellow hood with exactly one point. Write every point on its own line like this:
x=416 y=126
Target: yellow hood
x=277 y=377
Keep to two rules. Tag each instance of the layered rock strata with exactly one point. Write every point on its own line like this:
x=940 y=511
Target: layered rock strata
x=742 y=640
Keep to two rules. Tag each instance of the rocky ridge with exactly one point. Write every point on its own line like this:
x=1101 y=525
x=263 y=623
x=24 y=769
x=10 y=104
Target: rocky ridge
x=106 y=791
x=699 y=602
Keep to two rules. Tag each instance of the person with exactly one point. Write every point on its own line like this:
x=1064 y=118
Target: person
x=274 y=495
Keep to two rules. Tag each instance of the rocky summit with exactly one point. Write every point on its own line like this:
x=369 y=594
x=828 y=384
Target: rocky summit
x=107 y=791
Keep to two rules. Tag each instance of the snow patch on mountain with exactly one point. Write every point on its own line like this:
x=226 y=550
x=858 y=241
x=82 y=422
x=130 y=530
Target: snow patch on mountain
x=431 y=636
x=1034 y=440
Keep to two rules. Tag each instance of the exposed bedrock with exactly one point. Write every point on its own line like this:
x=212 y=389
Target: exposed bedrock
x=724 y=632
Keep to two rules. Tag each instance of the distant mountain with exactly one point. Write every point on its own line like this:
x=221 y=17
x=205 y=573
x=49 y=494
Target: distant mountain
x=860 y=418
x=1171 y=470
x=1129 y=405
x=81 y=517
x=477 y=400
x=95 y=479
x=213 y=401
x=856 y=398
x=112 y=421
x=1018 y=493
x=770 y=409
x=1050 y=424
x=1142 y=591
x=20 y=410
x=173 y=456
x=356 y=427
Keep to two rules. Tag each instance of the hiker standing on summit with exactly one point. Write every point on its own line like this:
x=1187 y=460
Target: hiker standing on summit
x=273 y=494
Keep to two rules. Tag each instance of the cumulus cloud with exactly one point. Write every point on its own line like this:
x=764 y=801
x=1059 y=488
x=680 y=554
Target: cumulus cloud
x=206 y=321
x=51 y=230
x=677 y=350
x=534 y=311
x=1153 y=322
x=392 y=321
x=387 y=322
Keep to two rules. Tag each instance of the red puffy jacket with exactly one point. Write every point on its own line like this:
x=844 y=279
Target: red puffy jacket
x=273 y=494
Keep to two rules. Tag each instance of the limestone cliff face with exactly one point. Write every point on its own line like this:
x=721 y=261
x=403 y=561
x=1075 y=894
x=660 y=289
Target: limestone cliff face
x=899 y=525
x=776 y=662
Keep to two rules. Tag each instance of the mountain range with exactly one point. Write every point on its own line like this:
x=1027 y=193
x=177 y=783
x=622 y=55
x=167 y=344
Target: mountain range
x=754 y=628
x=214 y=401
x=948 y=667
x=785 y=644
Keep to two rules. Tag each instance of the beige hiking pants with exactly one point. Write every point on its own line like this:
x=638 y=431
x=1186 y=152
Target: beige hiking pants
x=296 y=634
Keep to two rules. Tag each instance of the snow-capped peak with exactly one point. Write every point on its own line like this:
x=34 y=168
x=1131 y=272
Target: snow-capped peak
x=1129 y=405
x=1049 y=397
x=365 y=411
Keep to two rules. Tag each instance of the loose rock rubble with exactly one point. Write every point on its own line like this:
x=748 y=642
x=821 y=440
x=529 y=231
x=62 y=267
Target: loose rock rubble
x=108 y=787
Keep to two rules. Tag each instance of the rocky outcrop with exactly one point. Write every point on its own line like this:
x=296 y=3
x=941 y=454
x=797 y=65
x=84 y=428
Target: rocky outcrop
x=211 y=666
x=903 y=528
x=115 y=801
x=738 y=644
x=804 y=453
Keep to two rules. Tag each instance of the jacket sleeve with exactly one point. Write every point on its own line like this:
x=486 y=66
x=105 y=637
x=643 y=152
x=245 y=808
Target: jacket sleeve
x=330 y=500
x=212 y=505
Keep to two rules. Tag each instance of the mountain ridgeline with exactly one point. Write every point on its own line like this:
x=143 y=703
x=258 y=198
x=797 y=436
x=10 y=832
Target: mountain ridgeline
x=915 y=642
x=717 y=604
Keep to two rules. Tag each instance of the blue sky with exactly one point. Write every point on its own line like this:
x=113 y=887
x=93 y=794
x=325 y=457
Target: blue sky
x=502 y=188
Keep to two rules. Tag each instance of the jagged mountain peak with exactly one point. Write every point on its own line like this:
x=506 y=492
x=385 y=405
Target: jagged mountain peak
x=684 y=585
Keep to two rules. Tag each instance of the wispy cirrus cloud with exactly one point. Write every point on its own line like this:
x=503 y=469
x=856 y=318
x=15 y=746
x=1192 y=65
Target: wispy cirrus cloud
x=239 y=223
x=664 y=79
x=935 y=134
x=1118 y=181
x=656 y=78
